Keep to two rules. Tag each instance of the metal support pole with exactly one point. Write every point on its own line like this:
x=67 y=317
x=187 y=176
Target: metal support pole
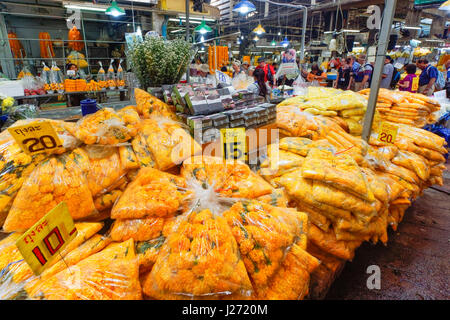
x=388 y=17
x=187 y=36
x=85 y=43
x=302 y=49
x=5 y=51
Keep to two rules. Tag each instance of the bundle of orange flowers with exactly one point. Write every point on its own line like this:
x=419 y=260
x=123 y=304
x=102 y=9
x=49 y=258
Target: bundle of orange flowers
x=404 y=107
x=266 y=237
x=56 y=179
x=111 y=274
x=200 y=260
x=174 y=145
x=107 y=127
x=152 y=194
x=148 y=105
x=16 y=274
x=229 y=178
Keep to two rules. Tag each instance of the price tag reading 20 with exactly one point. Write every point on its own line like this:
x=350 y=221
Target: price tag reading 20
x=387 y=133
x=36 y=137
x=43 y=241
x=234 y=143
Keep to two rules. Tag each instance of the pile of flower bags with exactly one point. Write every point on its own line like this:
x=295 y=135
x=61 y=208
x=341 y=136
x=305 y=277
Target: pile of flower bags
x=347 y=108
x=351 y=191
x=156 y=220
x=404 y=107
x=213 y=230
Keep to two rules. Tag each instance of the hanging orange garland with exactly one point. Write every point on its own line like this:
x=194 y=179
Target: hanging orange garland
x=74 y=39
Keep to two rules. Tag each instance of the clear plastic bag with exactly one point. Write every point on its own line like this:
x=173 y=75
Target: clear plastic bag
x=339 y=171
x=148 y=105
x=15 y=274
x=56 y=79
x=153 y=194
x=199 y=260
x=57 y=179
x=111 y=77
x=120 y=76
x=174 y=145
x=45 y=76
x=265 y=236
x=128 y=158
x=104 y=169
x=107 y=127
x=101 y=77
x=111 y=274
x=228 y=178
x=413 y=162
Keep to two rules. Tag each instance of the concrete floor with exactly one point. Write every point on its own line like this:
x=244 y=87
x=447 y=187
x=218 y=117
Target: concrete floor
x=415 y=264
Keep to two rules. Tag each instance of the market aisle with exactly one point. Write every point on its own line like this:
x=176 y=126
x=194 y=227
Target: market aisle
x=415 y=264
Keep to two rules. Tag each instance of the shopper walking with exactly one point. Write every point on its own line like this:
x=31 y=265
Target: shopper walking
x=260 y=86
x=388 y=73
x=363 y=76
x=411 y=81
x=427 y=78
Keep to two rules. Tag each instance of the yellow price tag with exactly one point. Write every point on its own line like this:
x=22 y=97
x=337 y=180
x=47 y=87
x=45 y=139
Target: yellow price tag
x=36 y=137
x=43 y=241
x=415 y=84
x=234 y=144
x=387 y=132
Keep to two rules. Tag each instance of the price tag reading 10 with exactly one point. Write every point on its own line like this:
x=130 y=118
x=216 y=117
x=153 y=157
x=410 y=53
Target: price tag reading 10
x=43 y=241
x=234 y=143
x=36 y=137
x=387 y=133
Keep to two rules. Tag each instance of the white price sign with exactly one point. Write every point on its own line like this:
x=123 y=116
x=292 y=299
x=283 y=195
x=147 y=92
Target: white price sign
x=222 y=77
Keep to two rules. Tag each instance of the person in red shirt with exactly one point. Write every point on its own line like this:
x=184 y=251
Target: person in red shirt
x=269 y=72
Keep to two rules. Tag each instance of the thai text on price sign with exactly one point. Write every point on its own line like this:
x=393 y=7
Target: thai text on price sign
x=234 y=144
x=43 y=241
x=36 y=137
x=387 y=133
x=415 y=84
x=222 y=77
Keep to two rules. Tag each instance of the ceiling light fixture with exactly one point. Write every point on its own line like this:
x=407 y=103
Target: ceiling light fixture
x=203 y=28
x=259 y=30
x=114 y=10
x=285 y=42
x=244 y=7
x=83 y=6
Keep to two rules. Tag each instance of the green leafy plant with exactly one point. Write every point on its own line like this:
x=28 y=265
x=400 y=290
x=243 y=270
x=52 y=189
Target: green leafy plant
x=157 y=61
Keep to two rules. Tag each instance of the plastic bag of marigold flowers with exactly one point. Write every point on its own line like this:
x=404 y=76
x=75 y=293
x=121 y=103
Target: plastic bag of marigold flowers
x=272 y=242
x=200 y=258
x=108 y=127
x=212 y=238
x=16 y=276
x=57 y=179
x=145 y=211
x=110 y=274
x=163 y=143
